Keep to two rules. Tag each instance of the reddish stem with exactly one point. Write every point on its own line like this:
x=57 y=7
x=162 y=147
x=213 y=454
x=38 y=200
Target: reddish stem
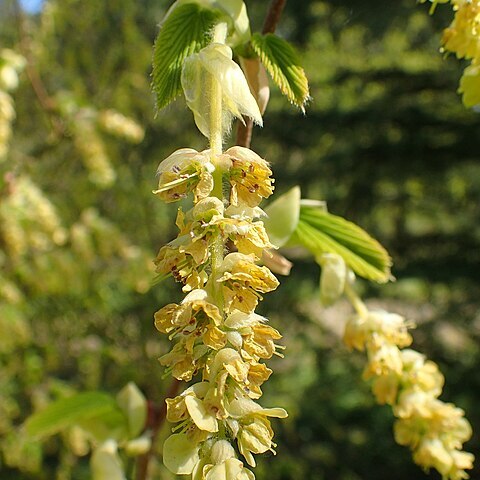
x=244 y=131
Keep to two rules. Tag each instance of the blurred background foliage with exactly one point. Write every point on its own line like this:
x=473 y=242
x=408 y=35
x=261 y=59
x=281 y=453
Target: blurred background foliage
x=386 y=141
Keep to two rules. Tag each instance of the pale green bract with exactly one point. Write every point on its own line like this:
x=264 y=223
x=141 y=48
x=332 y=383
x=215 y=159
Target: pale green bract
x=215 y=61
x=282 y=217
x=105 y=462
x=134 y=405
x=180 y=455
x=333 y=277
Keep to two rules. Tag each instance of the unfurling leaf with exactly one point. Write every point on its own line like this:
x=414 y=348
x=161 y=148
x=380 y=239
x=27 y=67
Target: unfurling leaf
x=322 y=232
x=283 y=64
x=70 y=411
x=185 y=30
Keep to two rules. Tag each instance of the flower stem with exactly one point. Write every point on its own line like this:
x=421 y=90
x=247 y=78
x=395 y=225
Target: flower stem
x=355 y=300
x=216 y=114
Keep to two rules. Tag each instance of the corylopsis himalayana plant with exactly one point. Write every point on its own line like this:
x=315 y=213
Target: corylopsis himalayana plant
x=215 y=331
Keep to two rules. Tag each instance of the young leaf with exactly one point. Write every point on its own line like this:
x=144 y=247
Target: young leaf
x=69 y=411
x=282 y=63
x=322 y=232
x=185 y=31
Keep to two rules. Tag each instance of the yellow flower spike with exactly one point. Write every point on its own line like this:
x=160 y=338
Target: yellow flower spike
x=463 y=35
x=225 y=353
x=435 y=431
x=249 y=177
x=185 y=171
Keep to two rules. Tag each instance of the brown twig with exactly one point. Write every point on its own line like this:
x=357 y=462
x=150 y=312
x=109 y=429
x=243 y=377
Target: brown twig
x=157 y=415
x=244 y=130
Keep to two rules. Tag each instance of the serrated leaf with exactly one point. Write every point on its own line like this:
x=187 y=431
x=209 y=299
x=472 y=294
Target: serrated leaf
x=70 y=411
x=184 y=31
x=282 y=217
x=322 y=232
x=283 y=64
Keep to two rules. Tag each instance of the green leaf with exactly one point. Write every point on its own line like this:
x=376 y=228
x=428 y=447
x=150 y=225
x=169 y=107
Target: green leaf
x=184 y=31
x=283 y=64
x=283 y=214
x=322 y=232
x=70 y=411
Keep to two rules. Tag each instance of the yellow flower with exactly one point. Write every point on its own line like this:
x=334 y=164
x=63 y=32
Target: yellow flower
x=257 y=337
x=185 y=171
x=383 y=360
x=463 y=35
x=227 y=363
x=390 y=327
x=209 y=221
x=182 y=364
x=243 y=281
x=432 y=453
x=194 y=317
x=419 y=373
x=193 y=313
x=220 y=463
x=435 y=431
x=250 y=425
x=249 y=177
x=470 y=85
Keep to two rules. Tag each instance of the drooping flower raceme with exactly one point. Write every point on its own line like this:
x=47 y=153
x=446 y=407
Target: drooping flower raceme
x=216 y=334
x=462 y=38
x=403 y=378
